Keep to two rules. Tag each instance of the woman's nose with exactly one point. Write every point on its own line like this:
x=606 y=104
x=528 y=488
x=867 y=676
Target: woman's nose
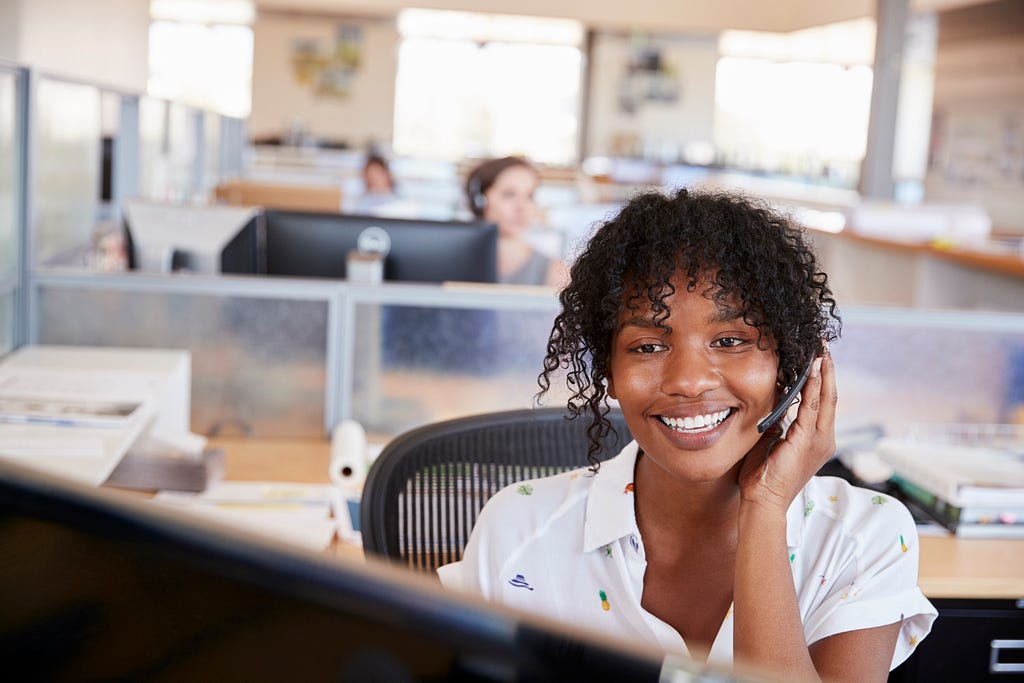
x=689 y=372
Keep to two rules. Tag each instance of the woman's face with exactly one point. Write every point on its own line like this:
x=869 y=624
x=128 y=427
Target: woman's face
x=692 y=397
x=376 y=179
x=510 y=201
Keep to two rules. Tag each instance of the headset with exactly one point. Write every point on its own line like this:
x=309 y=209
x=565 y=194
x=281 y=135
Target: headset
x=477 y=200
x=790 y=396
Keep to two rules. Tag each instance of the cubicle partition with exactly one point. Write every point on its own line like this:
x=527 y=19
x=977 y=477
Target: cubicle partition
x=12 y=156
x=70 y=151
x=291 y=357
x=261 y=351
x=66 y=170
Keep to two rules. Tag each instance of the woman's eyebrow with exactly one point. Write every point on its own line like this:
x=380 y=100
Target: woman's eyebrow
x=724 y=315
x=644 y=321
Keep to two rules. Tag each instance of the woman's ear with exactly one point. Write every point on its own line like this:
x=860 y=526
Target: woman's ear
x=610 y=386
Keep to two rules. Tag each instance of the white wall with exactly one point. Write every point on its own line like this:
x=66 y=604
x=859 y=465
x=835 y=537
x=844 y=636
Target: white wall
x=279 y=101
x=9 y=13
x=654 y=125
x=102 y=41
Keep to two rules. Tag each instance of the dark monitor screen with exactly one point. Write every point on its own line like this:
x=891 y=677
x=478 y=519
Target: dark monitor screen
x=301 y=244
x=97 y=585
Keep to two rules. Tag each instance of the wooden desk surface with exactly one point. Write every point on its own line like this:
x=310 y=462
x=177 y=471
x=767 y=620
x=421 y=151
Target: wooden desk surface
x=950 y=567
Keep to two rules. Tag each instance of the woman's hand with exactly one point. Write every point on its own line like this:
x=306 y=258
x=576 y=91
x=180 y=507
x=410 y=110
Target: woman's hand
x=776 y=469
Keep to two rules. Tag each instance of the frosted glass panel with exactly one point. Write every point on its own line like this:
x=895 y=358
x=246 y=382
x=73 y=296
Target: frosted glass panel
x=6 y=322
x=211 y=152
x=414 y=366
x=900 y=374
x=152 y=154
x=8 y=207
x=419 y=365
x=182 y=152
x=67 y=173
x=258 y=365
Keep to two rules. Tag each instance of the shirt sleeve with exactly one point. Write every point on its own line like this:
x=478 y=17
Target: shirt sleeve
x=878 y=583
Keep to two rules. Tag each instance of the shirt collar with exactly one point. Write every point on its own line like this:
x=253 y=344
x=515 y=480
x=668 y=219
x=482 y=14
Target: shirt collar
x=610 y=512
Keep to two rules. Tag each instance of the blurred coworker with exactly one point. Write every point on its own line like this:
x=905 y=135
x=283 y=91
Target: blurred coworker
x=378 y=183
x=501 y=191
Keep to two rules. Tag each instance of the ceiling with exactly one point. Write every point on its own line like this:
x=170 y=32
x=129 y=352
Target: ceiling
x=666 y=15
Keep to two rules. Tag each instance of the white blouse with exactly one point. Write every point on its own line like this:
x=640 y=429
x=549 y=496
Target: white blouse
x=568 y=547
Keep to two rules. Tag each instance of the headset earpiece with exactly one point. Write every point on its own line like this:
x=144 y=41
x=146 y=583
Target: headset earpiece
x=476 y=197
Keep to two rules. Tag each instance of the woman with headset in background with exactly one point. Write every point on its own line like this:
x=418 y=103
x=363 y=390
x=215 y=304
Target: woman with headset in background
x=501 y=191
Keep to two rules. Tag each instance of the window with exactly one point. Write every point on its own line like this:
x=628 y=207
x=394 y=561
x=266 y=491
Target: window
x=473 y=85
x=200 y=53
x=797 y=103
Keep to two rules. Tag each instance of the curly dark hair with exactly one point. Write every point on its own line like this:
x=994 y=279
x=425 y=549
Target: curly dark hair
x=757 y=257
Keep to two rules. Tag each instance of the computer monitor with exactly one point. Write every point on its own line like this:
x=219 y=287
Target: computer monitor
x=98 y=585
x=161 y=238
x=301 y=244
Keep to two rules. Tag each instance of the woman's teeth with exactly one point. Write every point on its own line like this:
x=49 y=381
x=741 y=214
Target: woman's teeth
x=697 y=423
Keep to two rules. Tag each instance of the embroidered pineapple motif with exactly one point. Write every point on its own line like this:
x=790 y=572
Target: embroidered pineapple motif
x=525 y=490
x=903 y=546
x=605 y=605
x=833 y=499
x=808 y=508
x=879 y=500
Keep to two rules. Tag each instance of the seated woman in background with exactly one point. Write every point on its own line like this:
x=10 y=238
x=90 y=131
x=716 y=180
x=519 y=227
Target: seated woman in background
x=708 y=535
x=378 y=185
x=501 y=191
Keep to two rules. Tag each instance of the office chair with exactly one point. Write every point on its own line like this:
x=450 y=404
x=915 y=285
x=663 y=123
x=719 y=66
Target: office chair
x=424 y=492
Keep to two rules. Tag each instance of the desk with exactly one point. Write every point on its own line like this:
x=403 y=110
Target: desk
x=950 y=567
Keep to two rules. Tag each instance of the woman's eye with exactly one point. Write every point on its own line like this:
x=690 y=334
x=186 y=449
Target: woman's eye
x=647 y=348
x=729 y=342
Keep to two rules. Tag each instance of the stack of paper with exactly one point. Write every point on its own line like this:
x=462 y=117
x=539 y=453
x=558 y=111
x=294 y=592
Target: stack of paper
x=973 y=490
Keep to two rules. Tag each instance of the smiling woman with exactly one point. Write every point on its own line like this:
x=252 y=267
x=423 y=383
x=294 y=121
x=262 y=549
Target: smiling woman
x=705 y=535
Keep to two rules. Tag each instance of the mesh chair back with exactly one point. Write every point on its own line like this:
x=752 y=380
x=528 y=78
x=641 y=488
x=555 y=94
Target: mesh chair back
x=425 y=490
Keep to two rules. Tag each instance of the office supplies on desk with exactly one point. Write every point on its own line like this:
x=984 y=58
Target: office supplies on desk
x=13 y=445
x=349 y=459
x=991 y=521
x=961 y=475
x=160 y=461
x=69 y=397
x=293 y=513
x=968 y=478
x=77 y=410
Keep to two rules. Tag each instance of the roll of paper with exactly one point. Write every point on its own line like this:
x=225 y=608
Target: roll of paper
x=348 y=455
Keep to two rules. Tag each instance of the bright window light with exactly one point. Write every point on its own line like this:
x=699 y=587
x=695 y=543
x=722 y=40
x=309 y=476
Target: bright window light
x=206 y=66
x=845 y=42
x=203 y=11
x=798 y=103
x=475 y=86
x=417 y=23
